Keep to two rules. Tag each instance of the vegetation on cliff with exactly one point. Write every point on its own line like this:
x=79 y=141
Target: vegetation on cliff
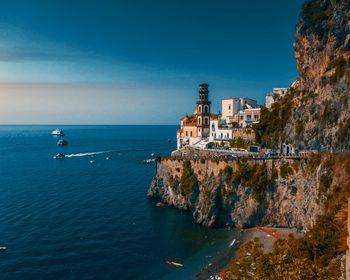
x=255 y=177
x=318 y=254
x=269 y=131
x=315 y=113
x=188 y=180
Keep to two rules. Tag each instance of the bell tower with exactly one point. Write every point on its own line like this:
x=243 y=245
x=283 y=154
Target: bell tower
x=203 y=111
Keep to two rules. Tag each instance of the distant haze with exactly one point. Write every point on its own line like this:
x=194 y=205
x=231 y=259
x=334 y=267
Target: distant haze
x=138 y=62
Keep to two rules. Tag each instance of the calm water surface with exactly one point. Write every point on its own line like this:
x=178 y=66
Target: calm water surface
x=72 y=219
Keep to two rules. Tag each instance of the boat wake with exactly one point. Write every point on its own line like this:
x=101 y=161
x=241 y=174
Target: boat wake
x=87 y=154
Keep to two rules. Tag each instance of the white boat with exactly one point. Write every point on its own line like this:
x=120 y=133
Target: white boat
x=151 y=160
x=58 y=132
x=233 y=242
x=3 y=248
x=62 y=142
x=59 y=156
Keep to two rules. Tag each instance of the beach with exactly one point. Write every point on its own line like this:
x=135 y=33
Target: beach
x=222 y=260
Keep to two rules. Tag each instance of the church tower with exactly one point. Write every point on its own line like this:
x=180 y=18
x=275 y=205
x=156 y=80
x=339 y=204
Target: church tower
x=203 y=111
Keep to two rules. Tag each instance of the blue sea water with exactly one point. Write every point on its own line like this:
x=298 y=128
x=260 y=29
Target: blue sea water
x=72 y=219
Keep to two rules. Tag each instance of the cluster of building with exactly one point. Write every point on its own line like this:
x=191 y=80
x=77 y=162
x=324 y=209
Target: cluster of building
x=237 y=116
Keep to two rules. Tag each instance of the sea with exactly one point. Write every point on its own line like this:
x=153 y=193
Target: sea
x=87 y=216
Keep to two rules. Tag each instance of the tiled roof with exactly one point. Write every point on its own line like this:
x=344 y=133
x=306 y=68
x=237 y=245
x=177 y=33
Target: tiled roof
x=193 y=123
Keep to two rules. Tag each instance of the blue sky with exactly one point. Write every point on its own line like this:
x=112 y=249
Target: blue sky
x=138 y=62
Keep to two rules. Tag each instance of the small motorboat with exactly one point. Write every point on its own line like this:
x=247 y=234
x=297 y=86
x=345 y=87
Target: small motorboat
x=59 y=156
x=232 y=243
x=107 y=158
x=57 y=132
x=174 y=264
x=152 y=154
x=3 y=249
x=62 y=142
x=92 y=161
x=151 y=160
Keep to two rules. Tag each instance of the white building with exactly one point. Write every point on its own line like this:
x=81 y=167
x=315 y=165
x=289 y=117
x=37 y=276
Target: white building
x=219 y=131
x=270 y=98
x=248 y=117
x=232 y=106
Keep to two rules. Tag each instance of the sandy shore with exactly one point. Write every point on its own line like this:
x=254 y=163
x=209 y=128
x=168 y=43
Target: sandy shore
x=223 y=259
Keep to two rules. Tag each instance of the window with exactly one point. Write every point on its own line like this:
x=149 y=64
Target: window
x=206 y=121
x=199 y=109
x=249 y=117
x=256 y=117
x=227 y=136
x=221 y=135
x=229 y=107
x=191 y=133
x=186 y=133
x=206 y=109
x=241 y=117
x=199 y=120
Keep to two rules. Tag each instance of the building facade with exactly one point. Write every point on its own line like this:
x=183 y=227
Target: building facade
x=238 y=115
x=219 y=131
x=248 y=117
x=232 y=106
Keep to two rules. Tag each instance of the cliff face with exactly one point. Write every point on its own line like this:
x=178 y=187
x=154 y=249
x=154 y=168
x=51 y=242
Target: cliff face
x=242 y=194
x=320 y=114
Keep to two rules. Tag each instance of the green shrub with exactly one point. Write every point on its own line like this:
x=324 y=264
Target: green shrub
x=256 y=177
x=339 y=64
x=313 y=162
x=299 y=128
x=227 y=172
x=286 y=170
x=330 y=113
x=269 y=131
x=325 y=183
x=239 y=142
x=188 y=180
x=344 y=131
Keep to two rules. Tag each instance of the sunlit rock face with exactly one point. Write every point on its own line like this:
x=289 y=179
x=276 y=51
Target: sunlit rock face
x=321 y=103
x=272 y=192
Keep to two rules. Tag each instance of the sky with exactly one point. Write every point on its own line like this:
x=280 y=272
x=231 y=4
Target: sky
x=138 y=61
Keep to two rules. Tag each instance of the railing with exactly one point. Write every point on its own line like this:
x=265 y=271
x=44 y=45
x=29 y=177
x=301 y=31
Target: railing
x=195 y=153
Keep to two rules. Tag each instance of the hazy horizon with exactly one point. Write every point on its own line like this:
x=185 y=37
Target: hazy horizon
x=122 y=62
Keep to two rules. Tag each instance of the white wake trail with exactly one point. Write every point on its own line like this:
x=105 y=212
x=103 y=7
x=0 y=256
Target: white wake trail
x=87 y=154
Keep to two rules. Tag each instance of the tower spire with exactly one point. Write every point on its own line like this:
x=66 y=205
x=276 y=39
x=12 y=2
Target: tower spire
x=203 y=111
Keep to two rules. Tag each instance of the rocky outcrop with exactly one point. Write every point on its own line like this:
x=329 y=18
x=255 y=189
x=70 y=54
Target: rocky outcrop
x=242 y=193
x=320 y=113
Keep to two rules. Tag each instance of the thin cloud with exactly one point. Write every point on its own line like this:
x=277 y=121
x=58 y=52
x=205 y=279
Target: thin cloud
x=21 y=54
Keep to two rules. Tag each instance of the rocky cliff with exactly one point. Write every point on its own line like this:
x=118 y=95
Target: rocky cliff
x=243 y=193
x=320 y=103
